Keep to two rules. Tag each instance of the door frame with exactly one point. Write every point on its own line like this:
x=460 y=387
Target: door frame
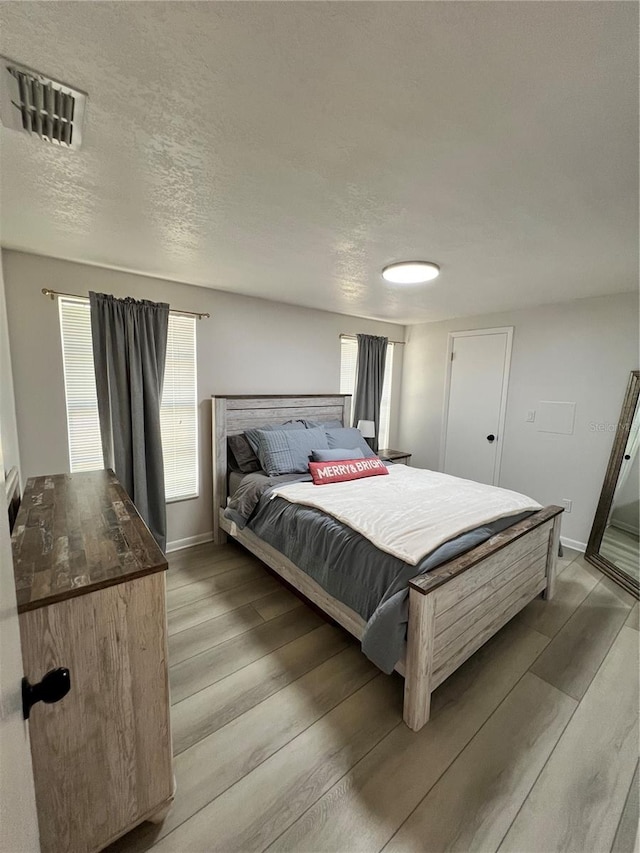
x=508 y=330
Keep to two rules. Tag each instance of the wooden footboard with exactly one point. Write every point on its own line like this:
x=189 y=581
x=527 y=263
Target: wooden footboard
x=453 y=611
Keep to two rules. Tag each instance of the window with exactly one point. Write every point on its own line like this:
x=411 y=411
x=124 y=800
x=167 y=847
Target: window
x=348 y=361
x=85 y=447
x=178 y=411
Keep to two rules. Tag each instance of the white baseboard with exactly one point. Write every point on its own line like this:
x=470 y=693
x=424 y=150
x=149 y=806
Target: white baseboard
x=190 y=541
x=573 y=543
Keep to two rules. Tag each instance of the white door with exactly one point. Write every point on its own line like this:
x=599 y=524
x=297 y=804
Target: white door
x=475 y=403
x=18 y=818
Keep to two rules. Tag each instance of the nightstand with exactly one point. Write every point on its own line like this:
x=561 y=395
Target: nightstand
x=388 y=455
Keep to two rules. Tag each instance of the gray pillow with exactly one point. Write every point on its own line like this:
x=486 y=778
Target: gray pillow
x=337 y=454
x=241 y=452
x=288 y=451
x=323 y=424
x=252 y=437
x=348 y=437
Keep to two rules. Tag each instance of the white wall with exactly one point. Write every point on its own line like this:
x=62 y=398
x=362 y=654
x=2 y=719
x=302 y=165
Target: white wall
x=18 y=818
x=18 y=822
x=580 y=351
x=8 y=426
x=248 y=346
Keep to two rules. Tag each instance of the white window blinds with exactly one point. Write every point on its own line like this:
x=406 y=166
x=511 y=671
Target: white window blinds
x=178 y=411
x=348 y=361
x=83 y=427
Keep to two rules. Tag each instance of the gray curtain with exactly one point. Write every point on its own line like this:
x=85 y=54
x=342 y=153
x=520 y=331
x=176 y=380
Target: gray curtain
x=372 y=354
x=129 y=353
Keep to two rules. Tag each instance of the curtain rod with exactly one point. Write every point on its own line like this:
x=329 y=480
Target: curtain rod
x=355 y=337
x=54 y=293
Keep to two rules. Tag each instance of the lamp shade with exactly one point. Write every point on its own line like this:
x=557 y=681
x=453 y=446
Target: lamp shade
x=367 y=428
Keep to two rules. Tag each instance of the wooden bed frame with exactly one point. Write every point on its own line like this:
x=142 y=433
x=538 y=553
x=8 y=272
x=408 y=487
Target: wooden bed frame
x=452 y=610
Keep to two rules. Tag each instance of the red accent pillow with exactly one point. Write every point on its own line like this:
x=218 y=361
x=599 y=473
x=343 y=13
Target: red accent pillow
x=346 y=469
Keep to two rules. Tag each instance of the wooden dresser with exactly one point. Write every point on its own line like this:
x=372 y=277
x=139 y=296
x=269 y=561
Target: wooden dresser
x=91 y=597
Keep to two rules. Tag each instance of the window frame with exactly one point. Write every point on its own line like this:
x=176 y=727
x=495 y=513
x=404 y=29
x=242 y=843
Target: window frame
x=348 y=383
x=66 y=372
x=196 y=436
x=64 y=341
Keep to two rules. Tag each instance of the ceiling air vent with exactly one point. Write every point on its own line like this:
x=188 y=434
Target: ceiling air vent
x=38 y=105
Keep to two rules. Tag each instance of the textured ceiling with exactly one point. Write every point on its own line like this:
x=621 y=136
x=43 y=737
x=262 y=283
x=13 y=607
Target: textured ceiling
x=291 y=150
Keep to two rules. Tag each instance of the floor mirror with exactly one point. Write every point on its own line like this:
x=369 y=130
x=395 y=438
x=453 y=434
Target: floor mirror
x=615 y=536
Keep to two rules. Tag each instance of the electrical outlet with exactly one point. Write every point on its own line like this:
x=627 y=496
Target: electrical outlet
x=531 y=416
x=567 y=504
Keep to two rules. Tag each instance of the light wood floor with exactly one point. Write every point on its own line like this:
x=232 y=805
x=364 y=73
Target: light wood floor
x=287 y=738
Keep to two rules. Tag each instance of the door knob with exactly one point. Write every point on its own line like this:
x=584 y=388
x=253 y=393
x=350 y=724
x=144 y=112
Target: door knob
x=627 y=456
x=491 y=437
x=53 y=687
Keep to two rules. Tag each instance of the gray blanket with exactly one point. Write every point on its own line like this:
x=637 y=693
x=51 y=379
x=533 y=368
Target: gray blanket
x=245 y=498
x=343 y=562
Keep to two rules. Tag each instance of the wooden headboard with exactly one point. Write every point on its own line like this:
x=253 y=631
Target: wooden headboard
x=233 y=415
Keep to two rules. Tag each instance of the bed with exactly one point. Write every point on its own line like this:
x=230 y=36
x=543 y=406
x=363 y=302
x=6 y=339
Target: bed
x=453 y=609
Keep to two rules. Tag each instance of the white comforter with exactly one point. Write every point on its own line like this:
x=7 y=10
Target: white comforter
x=412 y=511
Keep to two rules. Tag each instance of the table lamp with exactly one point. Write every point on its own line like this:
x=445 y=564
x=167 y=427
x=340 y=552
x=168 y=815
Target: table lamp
x=368 y=430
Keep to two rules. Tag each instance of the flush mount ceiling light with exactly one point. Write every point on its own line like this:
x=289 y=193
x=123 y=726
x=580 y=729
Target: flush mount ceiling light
x=410 y=272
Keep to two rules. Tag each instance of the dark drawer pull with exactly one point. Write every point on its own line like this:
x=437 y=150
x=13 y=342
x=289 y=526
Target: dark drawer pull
x=54 y=686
